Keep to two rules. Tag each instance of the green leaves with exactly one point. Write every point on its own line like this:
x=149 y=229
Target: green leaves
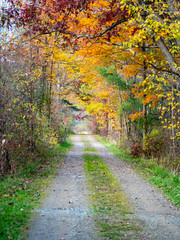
x=113 y=78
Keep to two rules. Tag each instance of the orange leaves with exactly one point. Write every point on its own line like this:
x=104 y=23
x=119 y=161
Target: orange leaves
x=147 y=91
x=85 y=22
x=130 y=70
x=150 y=98
x=136 y=115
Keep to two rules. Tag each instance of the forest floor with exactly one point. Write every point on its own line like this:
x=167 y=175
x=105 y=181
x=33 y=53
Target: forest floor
x=67 y=212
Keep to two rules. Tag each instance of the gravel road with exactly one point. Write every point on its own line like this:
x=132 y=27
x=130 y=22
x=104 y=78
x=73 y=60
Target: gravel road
x=66 y=215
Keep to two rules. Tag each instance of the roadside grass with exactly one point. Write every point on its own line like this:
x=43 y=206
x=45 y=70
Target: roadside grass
x=113 y=213
x=22 y=192
x=162 y=178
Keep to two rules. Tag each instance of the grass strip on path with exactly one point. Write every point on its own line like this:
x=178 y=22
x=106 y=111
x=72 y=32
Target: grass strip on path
x=159 y=176
x=112 y=210
x=21 y=193
x=89 y=150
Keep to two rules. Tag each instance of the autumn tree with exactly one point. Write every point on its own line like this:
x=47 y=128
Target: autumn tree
x=138 y=39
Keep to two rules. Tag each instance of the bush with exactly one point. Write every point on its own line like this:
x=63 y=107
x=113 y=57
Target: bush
x=155 y=144
x=136 y=150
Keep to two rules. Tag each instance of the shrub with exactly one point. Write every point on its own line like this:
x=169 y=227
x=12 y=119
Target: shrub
x=155 y=144
x=136 y=150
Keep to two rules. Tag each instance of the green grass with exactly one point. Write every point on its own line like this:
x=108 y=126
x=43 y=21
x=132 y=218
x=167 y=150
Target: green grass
x=90 y=150
x=21 y=193
x=162 y=178
x=110 y=204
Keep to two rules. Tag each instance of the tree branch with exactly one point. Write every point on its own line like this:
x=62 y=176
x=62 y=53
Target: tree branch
x=170 y=59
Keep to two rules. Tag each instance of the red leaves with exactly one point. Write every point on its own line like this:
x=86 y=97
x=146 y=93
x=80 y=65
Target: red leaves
x=38 y=16
x=115 y=14
x=41 y=16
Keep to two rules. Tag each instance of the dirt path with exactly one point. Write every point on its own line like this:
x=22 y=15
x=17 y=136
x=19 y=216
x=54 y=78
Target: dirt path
x=65 y=213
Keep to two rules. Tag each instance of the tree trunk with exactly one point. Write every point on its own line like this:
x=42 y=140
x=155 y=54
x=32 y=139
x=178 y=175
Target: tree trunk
x=144 y=124
x=31 y=113
x=172 y=128
x=124 y=117
x=144 y=104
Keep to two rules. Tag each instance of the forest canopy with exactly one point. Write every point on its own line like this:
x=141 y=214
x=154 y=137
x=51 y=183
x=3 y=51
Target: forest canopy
x=117 y=60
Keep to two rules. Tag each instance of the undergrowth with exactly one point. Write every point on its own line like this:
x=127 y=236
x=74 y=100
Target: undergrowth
x=161 y=177
x=22 y=192
x=111 y=207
